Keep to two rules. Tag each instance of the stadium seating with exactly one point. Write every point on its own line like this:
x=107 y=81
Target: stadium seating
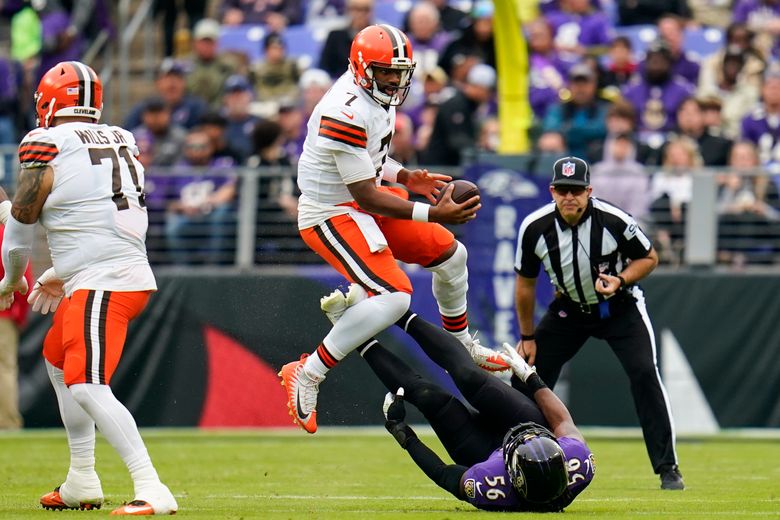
x=700 y=42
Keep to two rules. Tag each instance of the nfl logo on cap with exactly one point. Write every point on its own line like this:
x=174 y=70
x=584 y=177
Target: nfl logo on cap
x=571 y=171
x=568 y=169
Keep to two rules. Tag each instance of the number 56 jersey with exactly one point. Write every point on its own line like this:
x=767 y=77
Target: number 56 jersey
x=95 y=216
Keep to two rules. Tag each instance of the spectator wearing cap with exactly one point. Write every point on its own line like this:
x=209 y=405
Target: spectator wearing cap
x=164 y=139
x=335 y=50
x=656 y=94
x=579 y=28
x=171 y=86
x=209 y=69
x=714 y=149
x=647 y=12
x=457 y=124
x=276 y=75
x=762 y=126
x=671 y=30
x=236 y=101
x=763 y=18
x=547 y=70
x=736 y=91
x=314 y=83
x=276 y=15
x=215 y=125
x=581 y=115
x=293 y=124
x=474 y=45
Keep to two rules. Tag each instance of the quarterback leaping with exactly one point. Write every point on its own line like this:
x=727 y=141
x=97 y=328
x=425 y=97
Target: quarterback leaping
x=360 y=227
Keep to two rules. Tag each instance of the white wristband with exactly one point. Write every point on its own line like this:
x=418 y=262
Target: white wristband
x=420 y=211
x=5 y=211
x=390 y=170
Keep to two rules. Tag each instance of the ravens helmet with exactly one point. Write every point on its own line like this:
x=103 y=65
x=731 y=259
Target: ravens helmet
x=535 y=462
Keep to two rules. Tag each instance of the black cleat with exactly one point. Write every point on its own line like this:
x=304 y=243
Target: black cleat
x=671 y=478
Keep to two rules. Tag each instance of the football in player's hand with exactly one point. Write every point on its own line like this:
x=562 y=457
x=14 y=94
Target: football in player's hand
x=462 y=191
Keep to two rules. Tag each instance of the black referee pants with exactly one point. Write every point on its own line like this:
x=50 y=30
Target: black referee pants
x=562 y=332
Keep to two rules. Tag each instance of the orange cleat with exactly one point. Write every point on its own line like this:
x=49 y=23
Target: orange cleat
x=301 y=394
x=53 y=501
x=136 y=508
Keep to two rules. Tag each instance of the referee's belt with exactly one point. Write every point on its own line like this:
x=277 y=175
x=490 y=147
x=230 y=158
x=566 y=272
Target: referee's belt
x=602 y=309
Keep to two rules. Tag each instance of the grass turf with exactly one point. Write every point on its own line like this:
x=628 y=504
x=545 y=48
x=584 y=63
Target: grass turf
x=347 y=473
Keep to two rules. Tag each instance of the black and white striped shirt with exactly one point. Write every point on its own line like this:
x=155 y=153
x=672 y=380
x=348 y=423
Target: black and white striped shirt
x=604 y=241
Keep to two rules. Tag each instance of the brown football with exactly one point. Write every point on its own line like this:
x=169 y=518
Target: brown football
x=462 y=192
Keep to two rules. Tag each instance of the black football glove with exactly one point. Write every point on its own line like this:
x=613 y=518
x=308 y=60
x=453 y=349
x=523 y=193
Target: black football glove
x=395 y=413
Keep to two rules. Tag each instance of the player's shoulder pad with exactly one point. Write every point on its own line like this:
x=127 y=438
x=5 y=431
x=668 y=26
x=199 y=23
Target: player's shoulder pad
x=38 y=148
x=344 y=124
x=129 y=138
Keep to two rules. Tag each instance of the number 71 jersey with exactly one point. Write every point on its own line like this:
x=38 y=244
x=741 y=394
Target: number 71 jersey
x=95 y=215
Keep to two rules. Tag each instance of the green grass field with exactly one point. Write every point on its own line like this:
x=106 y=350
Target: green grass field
x=352 y=473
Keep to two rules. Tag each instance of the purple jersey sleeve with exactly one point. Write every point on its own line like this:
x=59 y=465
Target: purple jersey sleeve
x=579 y=463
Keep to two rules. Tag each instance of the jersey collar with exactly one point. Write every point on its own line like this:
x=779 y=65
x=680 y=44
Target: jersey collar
x=585 y=214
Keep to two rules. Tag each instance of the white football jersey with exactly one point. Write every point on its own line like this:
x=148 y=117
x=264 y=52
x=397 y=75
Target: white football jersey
x=95 y=217
x=347 y=119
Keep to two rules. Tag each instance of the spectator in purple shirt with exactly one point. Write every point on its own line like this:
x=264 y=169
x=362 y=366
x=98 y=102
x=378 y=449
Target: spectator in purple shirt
x=657 y=93
x=276 y=15
x=578 y=28
x=492 y=448
x=671 y=30
x=547 y=74
x=200 y=197
x=762 y=127
x=426 y=35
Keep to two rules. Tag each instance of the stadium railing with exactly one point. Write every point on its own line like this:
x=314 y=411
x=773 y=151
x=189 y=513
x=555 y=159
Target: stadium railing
x=258 y=227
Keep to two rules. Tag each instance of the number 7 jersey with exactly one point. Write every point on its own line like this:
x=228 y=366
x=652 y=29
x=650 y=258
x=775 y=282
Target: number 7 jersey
x=346 y=120
x=95 y=216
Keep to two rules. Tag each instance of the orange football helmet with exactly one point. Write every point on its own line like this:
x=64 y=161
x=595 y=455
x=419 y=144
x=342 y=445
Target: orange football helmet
x=69 y=88
x=386 y=47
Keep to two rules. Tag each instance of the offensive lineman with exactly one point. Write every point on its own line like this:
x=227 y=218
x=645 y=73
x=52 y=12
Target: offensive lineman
x=82 y=181
x=361 y=228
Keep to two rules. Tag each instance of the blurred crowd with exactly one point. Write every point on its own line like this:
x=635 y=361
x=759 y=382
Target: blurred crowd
x=600 y=89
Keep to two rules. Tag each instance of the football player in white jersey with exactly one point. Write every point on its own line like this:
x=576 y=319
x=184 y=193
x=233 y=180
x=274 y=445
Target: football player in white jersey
x=83 y=182
x=360 y=227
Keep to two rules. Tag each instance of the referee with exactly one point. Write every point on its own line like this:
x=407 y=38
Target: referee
x=595 y=254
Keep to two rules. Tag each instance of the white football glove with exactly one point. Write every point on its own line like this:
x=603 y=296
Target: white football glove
x=7 y=290
x=47 y=292
x=519 y=366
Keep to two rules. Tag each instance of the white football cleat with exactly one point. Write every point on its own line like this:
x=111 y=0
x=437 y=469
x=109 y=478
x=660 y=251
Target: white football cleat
x=157 y=500
x=336 y=303
x=82 y=488
x=486 y=358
